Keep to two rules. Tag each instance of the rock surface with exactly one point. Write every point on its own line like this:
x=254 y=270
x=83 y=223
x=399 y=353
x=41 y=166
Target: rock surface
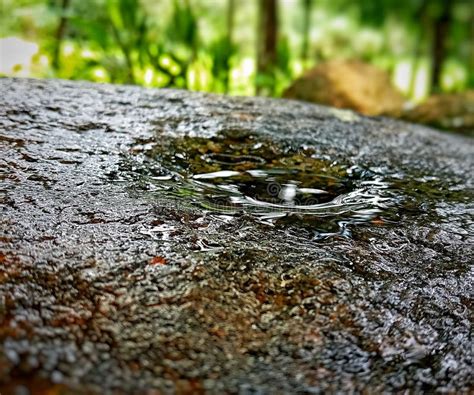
x=116 y=276
x=351 y=85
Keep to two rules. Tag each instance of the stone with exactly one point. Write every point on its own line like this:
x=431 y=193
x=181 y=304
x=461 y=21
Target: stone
x=333 y=254
x=450 y=111
x=348 y=84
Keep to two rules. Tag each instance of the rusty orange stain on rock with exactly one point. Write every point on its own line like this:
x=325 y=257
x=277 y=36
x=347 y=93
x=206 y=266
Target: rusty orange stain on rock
x=158 y=260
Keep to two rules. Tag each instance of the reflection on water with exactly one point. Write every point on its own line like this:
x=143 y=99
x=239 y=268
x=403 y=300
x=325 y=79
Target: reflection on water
x=274 y=194
x=274 y=184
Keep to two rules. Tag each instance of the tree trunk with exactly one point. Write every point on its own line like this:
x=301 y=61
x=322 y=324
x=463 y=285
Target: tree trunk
x=267 y=46
x=307 y=6
x=59 y=36
x=126 y=54
x=441 y=27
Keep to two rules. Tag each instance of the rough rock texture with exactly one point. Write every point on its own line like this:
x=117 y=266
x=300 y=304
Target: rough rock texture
x=109 y=285
x=348 y=84
x=453 y=111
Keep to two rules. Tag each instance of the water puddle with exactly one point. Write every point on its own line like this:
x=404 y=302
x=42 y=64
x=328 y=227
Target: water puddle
x=236 y=173
x=270 y=193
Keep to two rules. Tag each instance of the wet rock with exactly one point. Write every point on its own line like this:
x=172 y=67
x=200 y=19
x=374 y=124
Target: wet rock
x=350 y=84
x=453 y=111
x=176 y=242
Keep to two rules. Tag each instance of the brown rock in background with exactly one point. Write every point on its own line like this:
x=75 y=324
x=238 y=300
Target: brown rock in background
x=453 y=111
x=348 y=84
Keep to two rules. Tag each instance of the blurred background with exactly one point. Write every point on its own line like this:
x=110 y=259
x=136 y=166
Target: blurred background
x=249 y=47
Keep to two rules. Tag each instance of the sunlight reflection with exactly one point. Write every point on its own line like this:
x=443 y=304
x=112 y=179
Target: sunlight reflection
x=16 y=56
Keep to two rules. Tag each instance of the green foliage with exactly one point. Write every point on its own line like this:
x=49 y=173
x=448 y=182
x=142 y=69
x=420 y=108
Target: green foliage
x=182 y=28
x=221 y=51
x=186 y=43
